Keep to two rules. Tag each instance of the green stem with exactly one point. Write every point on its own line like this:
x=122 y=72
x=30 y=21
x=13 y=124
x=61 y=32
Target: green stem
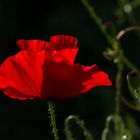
x=118 y=87
x=130 y=14
x=125 y=60
x=52 y=119
x=130 y=105
x=97 y=20
x=122 y=58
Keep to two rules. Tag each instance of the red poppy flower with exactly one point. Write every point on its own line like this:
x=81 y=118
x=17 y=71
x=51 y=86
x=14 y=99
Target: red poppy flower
x=43 y=70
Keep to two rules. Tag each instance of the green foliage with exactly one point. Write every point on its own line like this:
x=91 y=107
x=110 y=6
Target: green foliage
x=80 y=123
x=115 y=129
x=133 y=80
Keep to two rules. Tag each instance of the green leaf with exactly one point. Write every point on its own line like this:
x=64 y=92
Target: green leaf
x=133 y=81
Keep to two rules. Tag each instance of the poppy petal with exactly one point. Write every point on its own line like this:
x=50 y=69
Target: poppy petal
x=43 y=70
x=65 y=47
x=25 y=76
x=16 y=94
x=98 y=78
x=67 y=55
x=32 y=45
x=13 y=78
x=60 y=42
x=60 y=80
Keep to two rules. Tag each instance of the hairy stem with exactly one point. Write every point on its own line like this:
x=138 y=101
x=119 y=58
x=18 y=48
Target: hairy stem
x=52 y=119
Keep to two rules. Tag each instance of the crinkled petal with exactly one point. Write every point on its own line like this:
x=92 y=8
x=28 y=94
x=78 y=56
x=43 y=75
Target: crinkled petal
x=65 y=47
x=60 y=42
x=32 y=45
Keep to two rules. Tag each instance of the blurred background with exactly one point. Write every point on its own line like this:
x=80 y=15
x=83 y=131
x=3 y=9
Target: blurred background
x=28 y=19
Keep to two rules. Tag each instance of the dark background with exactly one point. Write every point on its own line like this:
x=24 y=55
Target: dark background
x=28 y=19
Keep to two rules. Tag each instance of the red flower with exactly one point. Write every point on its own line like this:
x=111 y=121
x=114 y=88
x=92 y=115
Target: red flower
x=43 y=70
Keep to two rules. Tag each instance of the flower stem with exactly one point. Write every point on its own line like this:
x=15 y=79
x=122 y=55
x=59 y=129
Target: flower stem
x=125 y=60
x=52 y=119
x=118 y=87
x=97 y=20
x=130 y=105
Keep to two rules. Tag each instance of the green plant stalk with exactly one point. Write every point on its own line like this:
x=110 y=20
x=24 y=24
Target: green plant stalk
x=118 y=86
x=52 y=119
x=130 y=105
x=130 y=65
x=130 y=14
x=100 y=25
x=97 y=20
x=68 y=132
